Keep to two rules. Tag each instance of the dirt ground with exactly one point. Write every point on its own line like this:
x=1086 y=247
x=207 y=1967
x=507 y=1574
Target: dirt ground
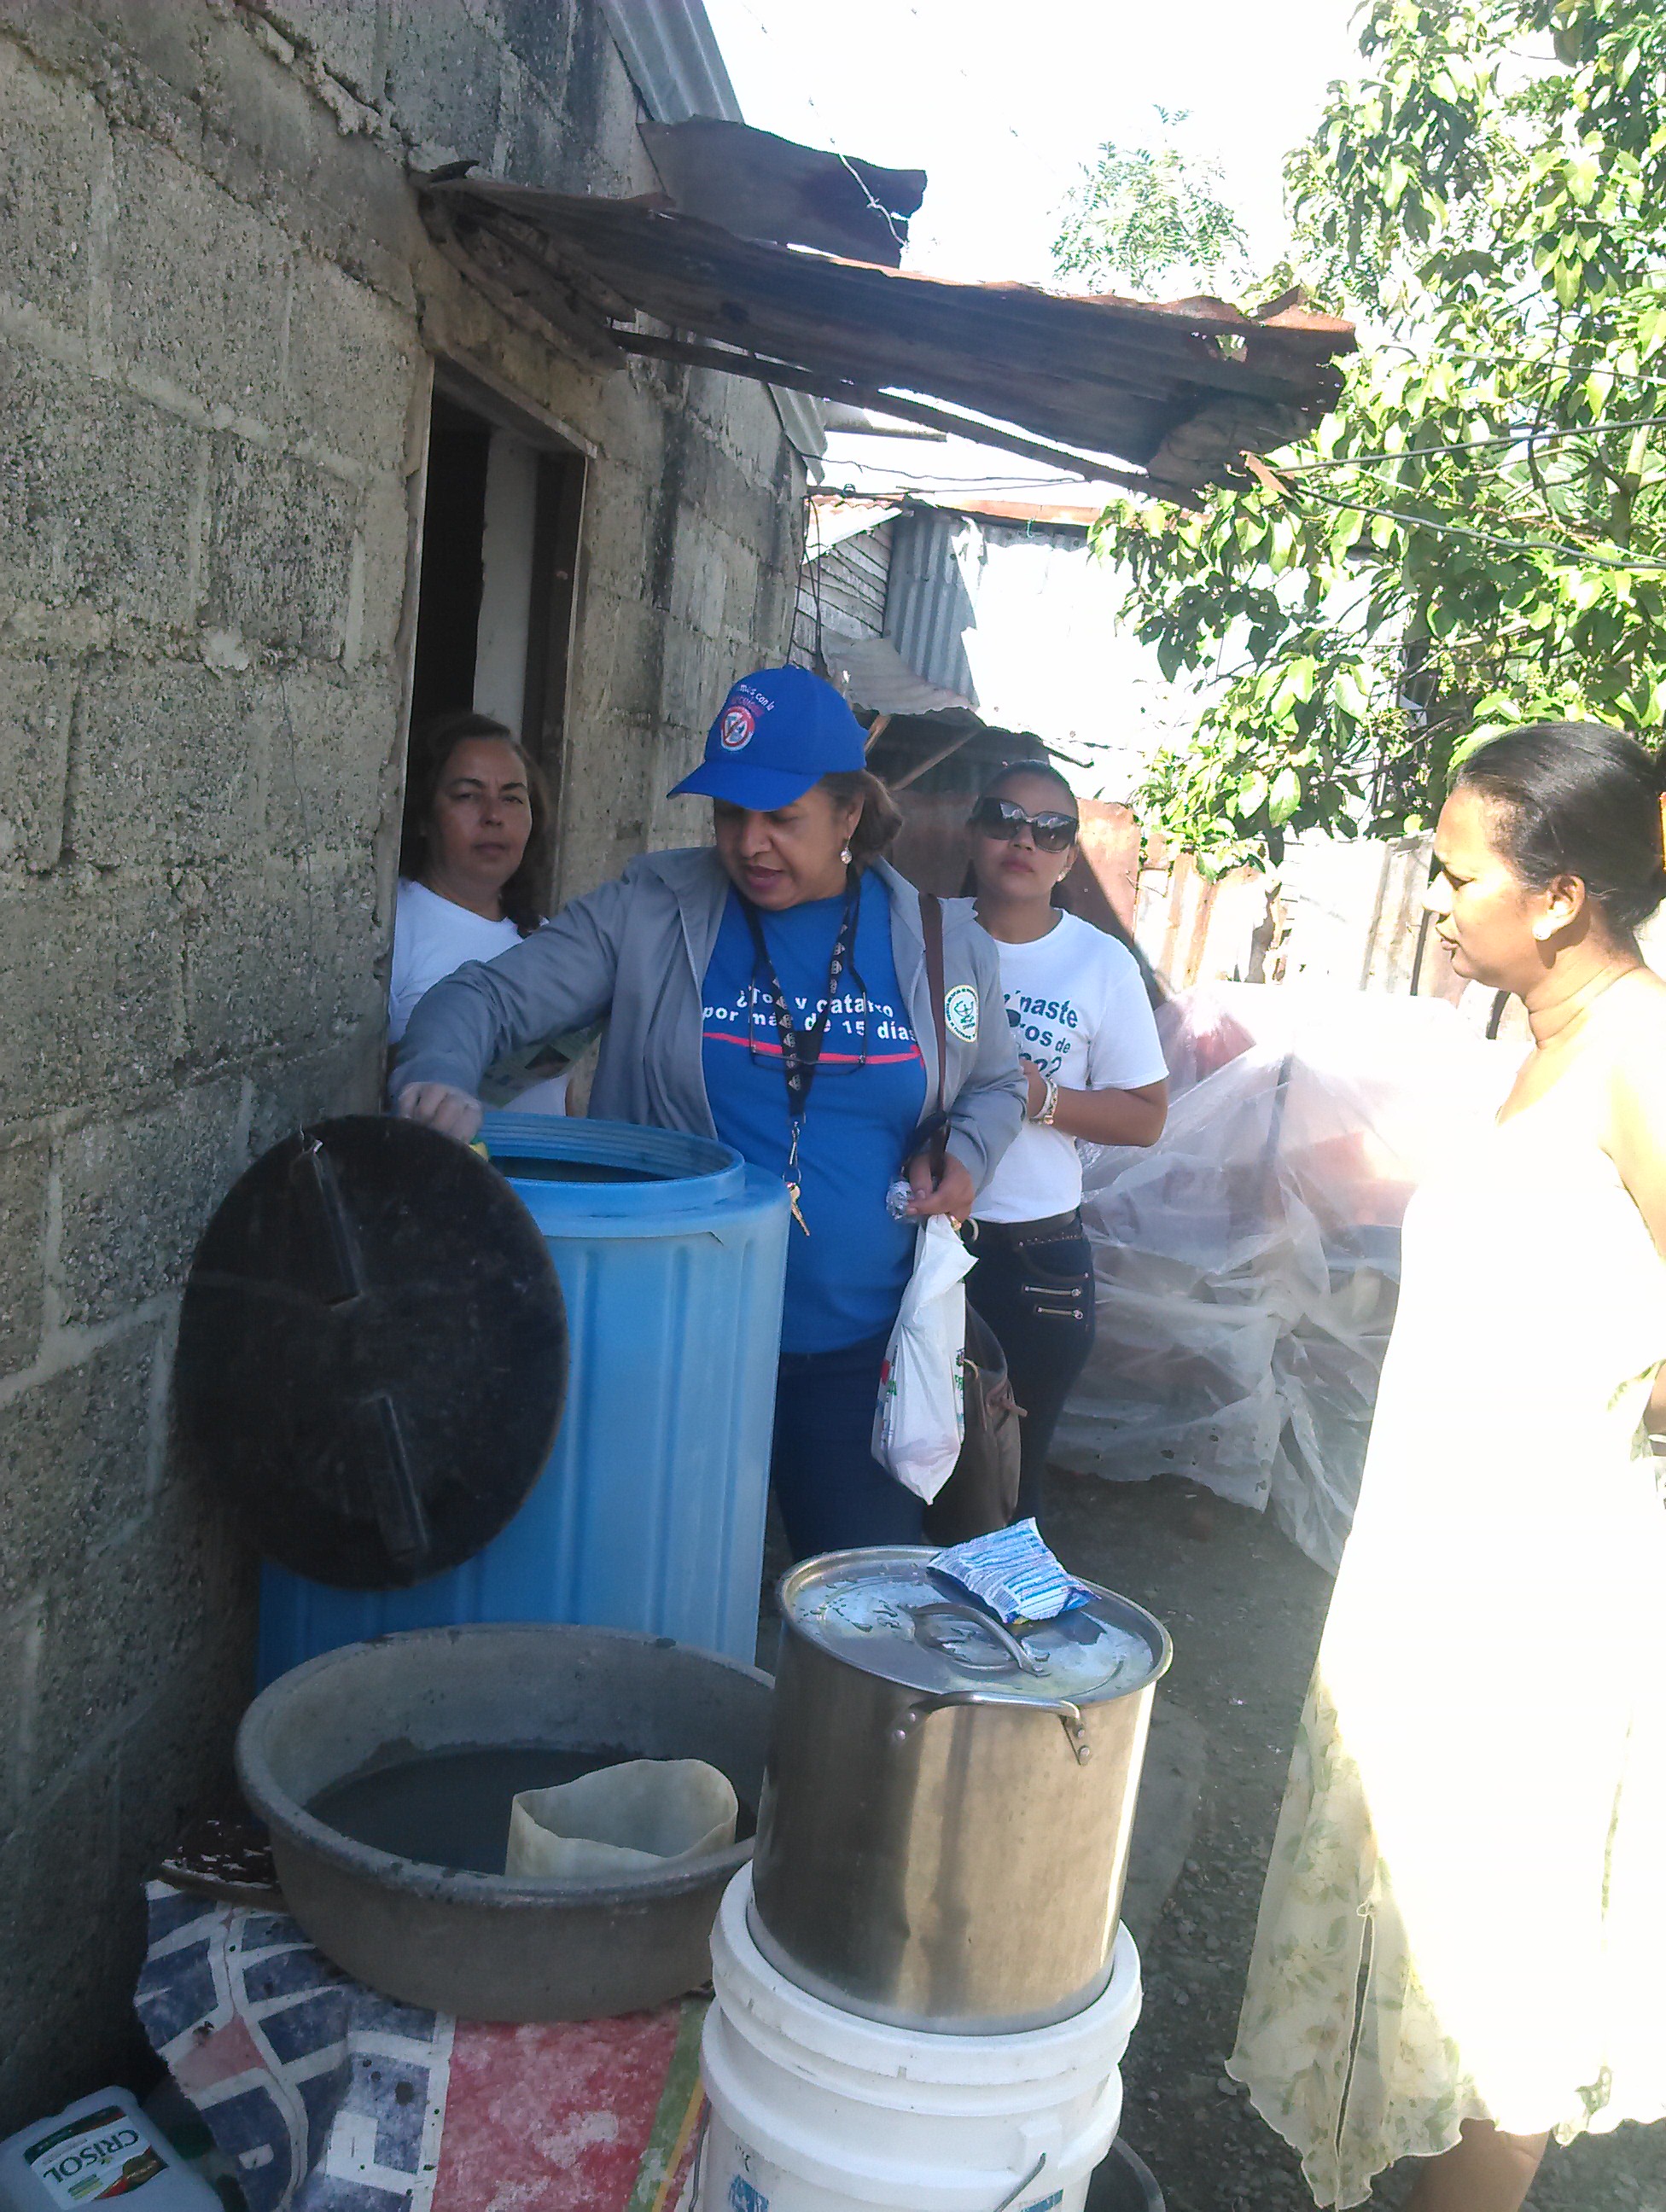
x=1245 y=1610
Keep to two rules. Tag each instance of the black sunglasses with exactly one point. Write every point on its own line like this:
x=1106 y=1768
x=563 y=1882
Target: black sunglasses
x=1003 y=818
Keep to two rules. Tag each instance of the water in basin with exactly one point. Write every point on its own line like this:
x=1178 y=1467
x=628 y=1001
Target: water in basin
x=450 y=1808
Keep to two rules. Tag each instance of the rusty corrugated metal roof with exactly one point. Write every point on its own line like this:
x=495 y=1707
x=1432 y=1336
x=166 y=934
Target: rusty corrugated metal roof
x=1180 y=390
x=837 y=515
x=834 y=518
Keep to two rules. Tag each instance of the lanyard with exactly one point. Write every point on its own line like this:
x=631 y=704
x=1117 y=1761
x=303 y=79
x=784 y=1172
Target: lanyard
x=800 y=1049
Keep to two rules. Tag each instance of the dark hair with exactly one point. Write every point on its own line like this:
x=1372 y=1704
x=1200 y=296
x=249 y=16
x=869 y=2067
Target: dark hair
x=1010 y=769
x=432 y=745
x=992 y=790
x=880 y=819
x=1577 y=799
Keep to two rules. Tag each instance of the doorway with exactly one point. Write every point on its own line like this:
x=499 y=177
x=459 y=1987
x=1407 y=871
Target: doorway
x=498 y=591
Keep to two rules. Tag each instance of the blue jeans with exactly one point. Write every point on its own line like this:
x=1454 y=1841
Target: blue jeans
x=833 y=1494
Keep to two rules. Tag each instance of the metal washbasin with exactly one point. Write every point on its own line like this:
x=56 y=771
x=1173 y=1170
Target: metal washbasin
x=442 y=1701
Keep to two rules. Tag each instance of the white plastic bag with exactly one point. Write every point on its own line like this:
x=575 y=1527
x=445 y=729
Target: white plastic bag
x=920 y=1419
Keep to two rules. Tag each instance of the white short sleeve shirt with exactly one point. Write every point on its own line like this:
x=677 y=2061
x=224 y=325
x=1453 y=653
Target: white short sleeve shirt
x=432 y=938
x=1076 y=1003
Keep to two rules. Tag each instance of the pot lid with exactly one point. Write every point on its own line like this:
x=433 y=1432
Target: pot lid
x=887 y=1612
x=372 y=1353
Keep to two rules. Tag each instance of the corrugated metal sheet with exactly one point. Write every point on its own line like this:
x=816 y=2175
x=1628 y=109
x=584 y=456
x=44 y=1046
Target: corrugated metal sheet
x=672 y=55
x=848 y=585
x=1024 y=622
x=1182 y=389
x=841 y=614
x=872 y=674
x=929 y=607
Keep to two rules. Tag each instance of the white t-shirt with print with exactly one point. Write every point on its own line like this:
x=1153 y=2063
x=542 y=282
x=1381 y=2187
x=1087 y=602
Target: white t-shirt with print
x=432 y=938
x=1076 y=1003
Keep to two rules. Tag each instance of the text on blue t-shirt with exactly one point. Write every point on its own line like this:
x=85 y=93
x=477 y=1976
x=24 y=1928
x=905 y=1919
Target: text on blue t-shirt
x=845 y=1279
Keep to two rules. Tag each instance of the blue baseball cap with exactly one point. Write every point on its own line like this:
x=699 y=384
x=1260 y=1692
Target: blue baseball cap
x=780 y=731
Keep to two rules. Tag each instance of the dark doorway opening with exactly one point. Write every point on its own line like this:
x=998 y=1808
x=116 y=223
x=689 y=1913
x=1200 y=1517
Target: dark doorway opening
x=496 y=603
x=453 y=570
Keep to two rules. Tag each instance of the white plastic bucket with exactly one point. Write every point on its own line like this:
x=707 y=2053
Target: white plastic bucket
x=816 y=2110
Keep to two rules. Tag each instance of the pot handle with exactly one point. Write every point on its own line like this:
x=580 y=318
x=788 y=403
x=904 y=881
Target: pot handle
x=1069 y=1715
x=979 y=1619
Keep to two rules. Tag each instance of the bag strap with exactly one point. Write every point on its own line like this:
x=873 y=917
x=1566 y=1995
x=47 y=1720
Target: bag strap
x=931 y=924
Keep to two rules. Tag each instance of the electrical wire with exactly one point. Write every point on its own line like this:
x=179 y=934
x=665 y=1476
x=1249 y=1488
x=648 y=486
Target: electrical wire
x=899 y=237
x=1574 y=556
x=1527 y=436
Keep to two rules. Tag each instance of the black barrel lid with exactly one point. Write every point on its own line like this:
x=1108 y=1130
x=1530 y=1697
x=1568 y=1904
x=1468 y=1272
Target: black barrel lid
x=372 y=1353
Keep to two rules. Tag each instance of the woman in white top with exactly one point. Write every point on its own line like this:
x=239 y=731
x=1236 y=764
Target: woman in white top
x=473 y=858
x=1088 y=1046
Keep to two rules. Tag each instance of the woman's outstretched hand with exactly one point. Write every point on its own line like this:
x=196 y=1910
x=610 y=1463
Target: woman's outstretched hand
x=953 y=1195
x=454 y=1113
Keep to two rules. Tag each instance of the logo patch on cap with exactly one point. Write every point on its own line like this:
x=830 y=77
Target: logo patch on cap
x=738 y=727
x=960 y=1012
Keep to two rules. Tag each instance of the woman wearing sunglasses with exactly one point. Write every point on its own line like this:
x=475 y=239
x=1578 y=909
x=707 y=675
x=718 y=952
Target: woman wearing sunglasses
x=1094 y=1069
x=770 y=989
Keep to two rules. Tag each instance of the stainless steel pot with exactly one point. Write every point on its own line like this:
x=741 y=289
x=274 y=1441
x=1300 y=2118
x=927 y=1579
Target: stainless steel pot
x=944 y=1833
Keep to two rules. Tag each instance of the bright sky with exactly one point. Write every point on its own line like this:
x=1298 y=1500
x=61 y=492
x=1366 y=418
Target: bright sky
x=1003 y=101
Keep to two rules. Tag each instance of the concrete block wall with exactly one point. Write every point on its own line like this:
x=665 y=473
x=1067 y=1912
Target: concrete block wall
x=217 y=312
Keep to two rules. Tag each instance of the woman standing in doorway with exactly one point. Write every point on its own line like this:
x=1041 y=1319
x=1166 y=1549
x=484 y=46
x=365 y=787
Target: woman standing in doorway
x=1461 y=1947
x=1093 y=1068
x=473 y=856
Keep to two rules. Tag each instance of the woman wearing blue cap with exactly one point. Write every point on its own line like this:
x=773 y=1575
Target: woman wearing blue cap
x=772 y=989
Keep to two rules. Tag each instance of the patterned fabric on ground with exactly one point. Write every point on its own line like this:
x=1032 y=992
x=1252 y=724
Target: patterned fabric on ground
x=1464 y=1916
x=325 y=2097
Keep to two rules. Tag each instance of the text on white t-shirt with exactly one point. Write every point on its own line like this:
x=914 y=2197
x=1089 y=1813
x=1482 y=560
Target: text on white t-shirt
x=1076 y=1003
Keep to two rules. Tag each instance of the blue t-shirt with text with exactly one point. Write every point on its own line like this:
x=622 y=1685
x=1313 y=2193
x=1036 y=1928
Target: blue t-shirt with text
x=845 y=1279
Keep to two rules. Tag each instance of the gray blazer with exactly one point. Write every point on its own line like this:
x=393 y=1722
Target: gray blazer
x=636 y=949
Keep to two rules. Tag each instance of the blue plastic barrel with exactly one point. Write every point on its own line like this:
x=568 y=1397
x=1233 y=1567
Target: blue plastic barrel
x=672 y=1253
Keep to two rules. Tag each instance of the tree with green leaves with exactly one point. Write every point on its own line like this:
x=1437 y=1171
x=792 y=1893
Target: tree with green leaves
x=1478 y=534
x=1145 y=217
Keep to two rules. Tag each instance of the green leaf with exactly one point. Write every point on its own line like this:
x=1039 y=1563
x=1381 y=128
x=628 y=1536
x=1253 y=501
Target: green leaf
x=1500 y=237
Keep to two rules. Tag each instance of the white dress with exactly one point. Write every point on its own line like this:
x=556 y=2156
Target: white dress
x=1465 y=1912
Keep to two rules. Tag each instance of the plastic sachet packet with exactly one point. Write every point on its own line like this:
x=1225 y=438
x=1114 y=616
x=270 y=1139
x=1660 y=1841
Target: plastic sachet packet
x=1015 y=1574
x=638 y=1817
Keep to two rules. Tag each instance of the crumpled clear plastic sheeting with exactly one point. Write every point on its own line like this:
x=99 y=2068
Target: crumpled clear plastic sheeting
x=1248 y=1263
x=1325 y=1372
x=1200 y=1032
